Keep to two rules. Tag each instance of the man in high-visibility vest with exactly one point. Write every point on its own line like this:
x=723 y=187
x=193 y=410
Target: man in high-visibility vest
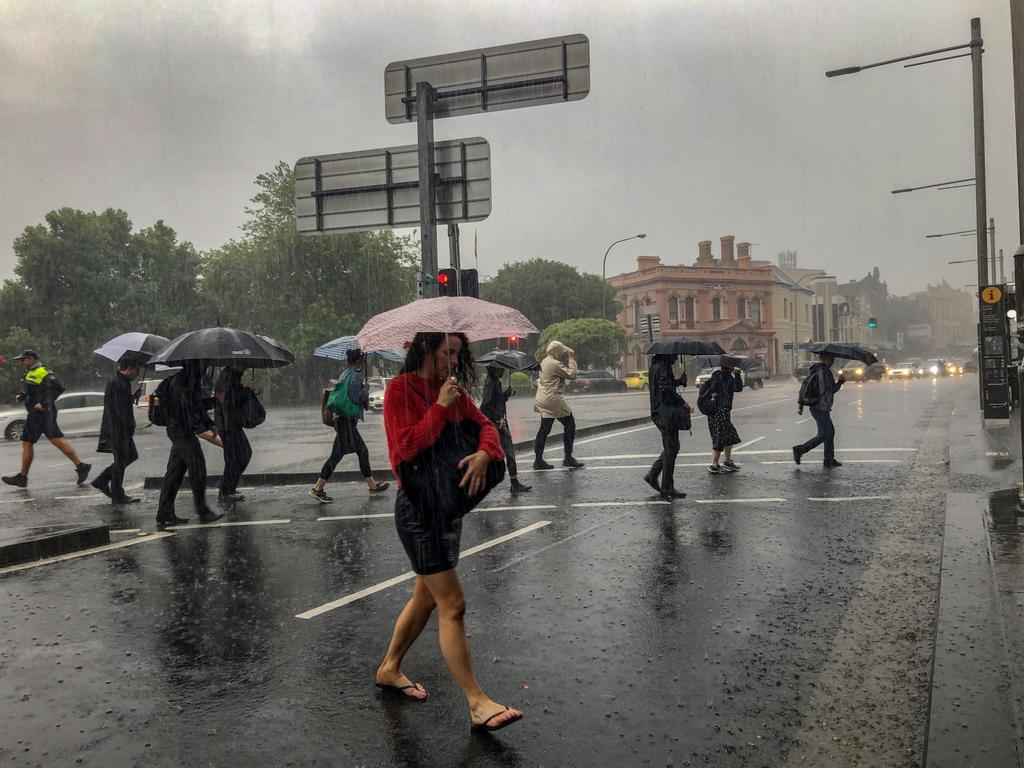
x=39 y=396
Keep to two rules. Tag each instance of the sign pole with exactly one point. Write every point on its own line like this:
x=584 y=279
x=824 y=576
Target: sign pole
x=455 y=256
x=425 y=98
x=981 y=213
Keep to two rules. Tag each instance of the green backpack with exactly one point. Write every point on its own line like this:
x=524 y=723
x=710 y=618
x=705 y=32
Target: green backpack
x=339 y=402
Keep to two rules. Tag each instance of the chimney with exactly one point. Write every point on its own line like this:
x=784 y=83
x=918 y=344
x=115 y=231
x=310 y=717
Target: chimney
x=727 y=257
x=743 y=255
x=644 y=263
x=704 y=258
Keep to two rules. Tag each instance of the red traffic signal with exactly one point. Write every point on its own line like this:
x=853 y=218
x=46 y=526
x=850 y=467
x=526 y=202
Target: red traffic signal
x=446 y=283
x=442 y=279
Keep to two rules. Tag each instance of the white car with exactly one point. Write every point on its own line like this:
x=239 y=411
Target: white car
x=78 y=413
x=376 y=400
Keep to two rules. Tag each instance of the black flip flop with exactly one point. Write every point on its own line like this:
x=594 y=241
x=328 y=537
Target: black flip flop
x=492 y=728
x=400 y=690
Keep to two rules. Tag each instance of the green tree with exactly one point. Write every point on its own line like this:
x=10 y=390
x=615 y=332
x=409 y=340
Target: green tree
x=549 y=291
x=597 y=343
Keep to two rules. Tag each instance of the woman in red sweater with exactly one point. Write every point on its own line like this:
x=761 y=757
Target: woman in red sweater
x=418 y=404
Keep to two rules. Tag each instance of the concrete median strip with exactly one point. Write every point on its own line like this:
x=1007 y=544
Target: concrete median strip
x=408 y=575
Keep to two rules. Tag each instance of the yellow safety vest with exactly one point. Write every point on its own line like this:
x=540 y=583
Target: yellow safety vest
x=36 y=375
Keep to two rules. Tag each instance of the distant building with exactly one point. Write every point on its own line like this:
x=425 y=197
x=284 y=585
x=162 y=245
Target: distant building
x=950 y=314
x=793 y=301
x=728 y=300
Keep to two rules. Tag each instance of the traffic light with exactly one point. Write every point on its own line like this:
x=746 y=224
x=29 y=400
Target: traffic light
x=470 y=283
x=446 y=283
x=872 y=322
x=513 y=342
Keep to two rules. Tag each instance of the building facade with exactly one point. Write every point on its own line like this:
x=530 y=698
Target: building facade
x=728 y=300
x=793 y=303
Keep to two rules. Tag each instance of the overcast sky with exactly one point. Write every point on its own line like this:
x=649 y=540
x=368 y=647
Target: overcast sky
x=705 y=118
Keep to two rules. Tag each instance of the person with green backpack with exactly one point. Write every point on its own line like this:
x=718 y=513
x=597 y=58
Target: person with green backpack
x=347 y=402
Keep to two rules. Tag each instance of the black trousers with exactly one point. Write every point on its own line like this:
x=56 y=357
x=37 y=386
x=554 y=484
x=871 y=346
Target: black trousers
x=237 y=454
x=113 y=476
x=568 y=435
x=347 y=440
x=665 y=465
x=510 y=450
x=186 y=455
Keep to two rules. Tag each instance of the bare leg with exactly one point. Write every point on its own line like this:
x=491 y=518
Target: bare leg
x=728 y=453
x=319 y=484
x=27 y=453
x=66 y=448
x=715 y=456
x=451 y=607
x=410 y=624
x=371 y=483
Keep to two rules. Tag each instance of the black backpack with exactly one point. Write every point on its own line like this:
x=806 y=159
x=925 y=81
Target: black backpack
x=158 y=404
x=704 y=404
x=810 y=393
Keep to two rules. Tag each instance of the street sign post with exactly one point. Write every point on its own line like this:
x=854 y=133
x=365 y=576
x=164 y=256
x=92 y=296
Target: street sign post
x=379 y=188
x=994 y=353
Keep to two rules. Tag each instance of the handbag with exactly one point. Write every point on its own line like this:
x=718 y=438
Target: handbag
x=325 y=413
x=431 y=478
x=253 y=412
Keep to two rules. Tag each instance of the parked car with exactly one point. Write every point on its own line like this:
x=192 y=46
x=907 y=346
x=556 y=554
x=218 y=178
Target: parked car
x=79 y=413
x=858 y=371
x=905 y=371
x=595 y=382
x=802 y=370
x=753 y=378
x=636 y=380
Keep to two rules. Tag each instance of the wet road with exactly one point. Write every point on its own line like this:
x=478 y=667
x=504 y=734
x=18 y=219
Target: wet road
x=779 y=616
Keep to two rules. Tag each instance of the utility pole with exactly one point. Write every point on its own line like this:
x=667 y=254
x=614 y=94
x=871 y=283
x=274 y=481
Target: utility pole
x=1017 y=39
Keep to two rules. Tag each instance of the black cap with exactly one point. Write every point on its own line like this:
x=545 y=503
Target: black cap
x=27 y=353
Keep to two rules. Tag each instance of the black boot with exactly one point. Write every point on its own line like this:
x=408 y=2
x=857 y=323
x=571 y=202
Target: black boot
x=539 y=463
x=571 y=463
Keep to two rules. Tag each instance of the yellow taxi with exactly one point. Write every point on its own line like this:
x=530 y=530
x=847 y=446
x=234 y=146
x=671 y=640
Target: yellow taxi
x=636 y=380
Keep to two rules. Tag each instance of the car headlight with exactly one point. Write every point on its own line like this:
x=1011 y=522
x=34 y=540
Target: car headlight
x=934 y=369
x=859 y=371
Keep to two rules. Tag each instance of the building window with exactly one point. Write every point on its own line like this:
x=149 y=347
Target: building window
x=755 y=310
x=688 y=309
x=785 y=309
x=636 y=314
x=716 y=309
x=807 y=313
x=673 y=311
x=741 y=308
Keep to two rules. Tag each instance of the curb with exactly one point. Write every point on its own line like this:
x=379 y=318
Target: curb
x=254 y=480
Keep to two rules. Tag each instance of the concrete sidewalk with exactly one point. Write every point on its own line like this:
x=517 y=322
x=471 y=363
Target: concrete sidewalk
x=975 y=713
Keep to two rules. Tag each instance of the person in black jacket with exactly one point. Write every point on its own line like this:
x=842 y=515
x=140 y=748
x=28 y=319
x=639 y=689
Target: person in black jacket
x=187 y=417
x=117 y=431
x=668 y=412
x=493 y=405
x=233 y=399
x=725 y=382
x=40 y=398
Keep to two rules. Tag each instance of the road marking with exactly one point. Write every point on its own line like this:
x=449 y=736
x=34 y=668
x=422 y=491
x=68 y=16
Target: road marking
x=15 y=501
x=190 y=526
x=553 y=544
x=751 y=442
x=125 y=530
x=803 y=420
x=589 y=504
x=83 y=553
x=513 y=508
x=329 y=518
x=613 y=434
x=736 y=501
x=849 y=498
x=872 y=461
x=755 y=452
x=80 y=496
x=314 y=612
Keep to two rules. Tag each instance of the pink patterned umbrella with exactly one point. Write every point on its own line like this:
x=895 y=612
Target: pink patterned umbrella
x=477 y=319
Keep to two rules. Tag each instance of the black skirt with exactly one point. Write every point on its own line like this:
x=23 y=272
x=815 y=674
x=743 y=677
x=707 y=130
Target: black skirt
x=723 y=433
x=432 y=540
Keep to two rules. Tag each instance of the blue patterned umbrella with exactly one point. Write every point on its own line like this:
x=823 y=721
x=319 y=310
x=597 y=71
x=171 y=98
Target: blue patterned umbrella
x=336 y=349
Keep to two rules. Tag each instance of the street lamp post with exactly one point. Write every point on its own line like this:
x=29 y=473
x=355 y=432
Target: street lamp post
x=974 y=51
x=793 y=289
x=604 y=263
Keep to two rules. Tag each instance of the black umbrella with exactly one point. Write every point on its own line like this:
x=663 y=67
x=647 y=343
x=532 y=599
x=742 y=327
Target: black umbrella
x=845 y=351
x=685 y=347
x=509 y=360
x=730 y=361
x=224 y=346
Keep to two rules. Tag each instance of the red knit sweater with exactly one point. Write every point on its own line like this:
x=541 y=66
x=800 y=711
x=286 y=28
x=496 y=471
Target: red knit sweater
x=413 y=419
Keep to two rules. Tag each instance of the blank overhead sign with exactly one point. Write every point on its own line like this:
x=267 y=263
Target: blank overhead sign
x=379 y=188
x=490 y=79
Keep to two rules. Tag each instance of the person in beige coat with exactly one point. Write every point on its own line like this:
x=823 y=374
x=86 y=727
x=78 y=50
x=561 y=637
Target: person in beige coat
x=551 y=404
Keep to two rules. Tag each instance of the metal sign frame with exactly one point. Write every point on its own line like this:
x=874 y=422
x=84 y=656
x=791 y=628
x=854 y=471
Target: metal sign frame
x=553 y=70
x=379 y=188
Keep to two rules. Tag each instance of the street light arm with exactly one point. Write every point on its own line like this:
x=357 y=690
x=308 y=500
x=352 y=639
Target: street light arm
x=604 y=263
x=855 y=70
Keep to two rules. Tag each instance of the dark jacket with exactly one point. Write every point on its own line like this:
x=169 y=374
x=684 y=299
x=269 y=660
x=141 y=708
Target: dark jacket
x=725 y=385
x=40 y=386
x=118 y=425
x=232 y=400
x=666 y=403
x=493 y=401
x=185 y=406
x=827 y=386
